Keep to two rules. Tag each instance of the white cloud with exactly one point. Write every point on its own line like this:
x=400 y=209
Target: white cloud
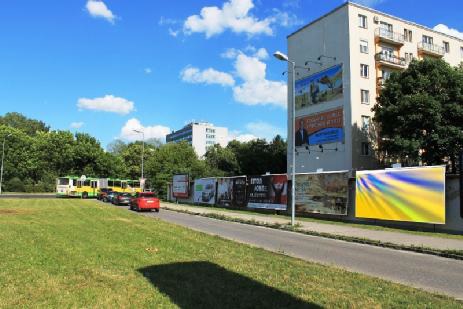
x=261 y=53
x=97 y=8
x=108 y=103
x=286 y=19
x=173 y=33
x=450 y=31
x=148 y=71
x=208 y=76
x=154 y=131
x=230 y=53
x=76 y=125
x=256 y=130
x=167 y=21
x=234 y=15
x=256 y=89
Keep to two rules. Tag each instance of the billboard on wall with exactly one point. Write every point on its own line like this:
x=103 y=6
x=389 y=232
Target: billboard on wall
x=324 y=193
x=320 y=128
x=180 y=186
x=268 y=191
x=320 y=87
x=406 y=194
x=231 y=191
x=204 y=191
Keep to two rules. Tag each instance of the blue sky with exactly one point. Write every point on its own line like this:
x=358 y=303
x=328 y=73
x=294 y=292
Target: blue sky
x=107 y=67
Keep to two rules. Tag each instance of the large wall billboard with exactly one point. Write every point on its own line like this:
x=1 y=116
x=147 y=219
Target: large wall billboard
x=180 y=186
x=406 y=194
x=231 y=191
x=204 y=192
x=269 y=192
x=320 y=128
x=324 y=193
x=320 y=87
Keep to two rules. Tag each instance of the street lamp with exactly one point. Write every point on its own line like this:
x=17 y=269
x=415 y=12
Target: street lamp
x=142 y=155
x=280 y=56
x=3 y=155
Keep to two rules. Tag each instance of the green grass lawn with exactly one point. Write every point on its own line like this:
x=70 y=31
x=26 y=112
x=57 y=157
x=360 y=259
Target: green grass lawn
x=322 y=221
x=74 y=253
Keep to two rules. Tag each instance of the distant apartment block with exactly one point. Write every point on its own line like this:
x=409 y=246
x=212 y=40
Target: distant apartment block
x=351 y=51
x=200 y=135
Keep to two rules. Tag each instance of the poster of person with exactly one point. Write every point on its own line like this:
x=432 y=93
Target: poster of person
x=320 y=87
x=204 y=191
x=324 y=193
x=268 y=192
x=239 y=192
x=231 y=191
x=180 y=186
x=320 y=128
x=225 y=192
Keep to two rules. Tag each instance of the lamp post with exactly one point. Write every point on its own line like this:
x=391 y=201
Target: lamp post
x=280 y=56
x=3 y=155
x=142 y=155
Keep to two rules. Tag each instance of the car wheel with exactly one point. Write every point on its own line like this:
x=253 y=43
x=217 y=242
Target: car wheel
x=84 y=195
x=156 y=210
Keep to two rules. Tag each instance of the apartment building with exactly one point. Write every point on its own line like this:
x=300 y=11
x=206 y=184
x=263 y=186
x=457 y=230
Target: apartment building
x=200 y=135
x=343 y=59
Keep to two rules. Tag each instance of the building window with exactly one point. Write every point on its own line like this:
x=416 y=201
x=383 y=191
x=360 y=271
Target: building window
x=365 y=149
x=427 y=40
x=364 y=70
x=364 y=46
x=365 y=123
x=408 y=35
x=386 y=27
x=365 y=95
x=363 y=21
x=446 y=47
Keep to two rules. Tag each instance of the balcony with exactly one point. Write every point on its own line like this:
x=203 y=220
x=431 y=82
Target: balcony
x=431 y=50
x=380 y=82
x=390 y=61
x=386 y=36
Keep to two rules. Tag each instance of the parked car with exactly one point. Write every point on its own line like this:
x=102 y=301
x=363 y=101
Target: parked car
x=102 y=193
x=122 y=199
x=208 y=193
x=109 y=197
x=145 y=201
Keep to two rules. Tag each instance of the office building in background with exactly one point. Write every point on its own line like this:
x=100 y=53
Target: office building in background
x=200 y=135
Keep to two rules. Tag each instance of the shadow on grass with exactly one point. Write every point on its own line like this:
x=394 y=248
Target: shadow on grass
x=207 y=285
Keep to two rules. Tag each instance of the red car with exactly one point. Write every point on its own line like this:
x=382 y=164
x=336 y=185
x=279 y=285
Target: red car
x=145 y=200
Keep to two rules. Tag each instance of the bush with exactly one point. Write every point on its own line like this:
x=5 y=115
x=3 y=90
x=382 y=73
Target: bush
x=14 y=185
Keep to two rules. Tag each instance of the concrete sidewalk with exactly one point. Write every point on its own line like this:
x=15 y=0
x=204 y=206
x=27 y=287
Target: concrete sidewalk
x=398 y=238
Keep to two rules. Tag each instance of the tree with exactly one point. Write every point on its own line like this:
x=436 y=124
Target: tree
x=21 y=122
x=223 y=159
x=420 y=113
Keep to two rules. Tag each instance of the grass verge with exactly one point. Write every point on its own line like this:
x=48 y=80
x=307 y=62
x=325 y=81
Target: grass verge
x=453 y=254
x=78 y=253
x=327 y=221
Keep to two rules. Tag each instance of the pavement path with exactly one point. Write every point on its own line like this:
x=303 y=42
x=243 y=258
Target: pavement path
x=398 y=238
x=428 y=272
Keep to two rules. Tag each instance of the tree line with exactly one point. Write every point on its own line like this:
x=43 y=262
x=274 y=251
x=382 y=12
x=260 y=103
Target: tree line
x=36 y=155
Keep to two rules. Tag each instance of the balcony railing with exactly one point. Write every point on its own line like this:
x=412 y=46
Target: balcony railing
x=431 y=49
x=391 y=59
x=389 y=36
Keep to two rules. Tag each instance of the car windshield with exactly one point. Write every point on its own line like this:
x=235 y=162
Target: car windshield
x=147 y=194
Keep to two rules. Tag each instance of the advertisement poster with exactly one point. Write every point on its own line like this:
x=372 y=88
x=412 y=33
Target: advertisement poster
x=204 y=192
x=320 y=87
x=231 y=191
x=269 y=192
x=321 y=128
x=406 y=194
x=180 y=186
x=324 y=193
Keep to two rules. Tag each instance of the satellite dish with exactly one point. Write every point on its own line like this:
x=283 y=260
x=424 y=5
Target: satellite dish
x=83 y=178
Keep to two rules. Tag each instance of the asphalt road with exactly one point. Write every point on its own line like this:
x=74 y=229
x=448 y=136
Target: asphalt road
x=423 y=271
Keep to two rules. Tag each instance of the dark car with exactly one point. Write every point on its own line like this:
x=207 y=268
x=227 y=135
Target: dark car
x=122 y=199
x=145 y=200
x=102 y=193
x=109 y=197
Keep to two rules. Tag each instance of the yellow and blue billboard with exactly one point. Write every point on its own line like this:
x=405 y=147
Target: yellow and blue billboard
x=406 y=194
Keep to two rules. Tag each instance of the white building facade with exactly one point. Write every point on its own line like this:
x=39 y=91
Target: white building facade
x=200 y=135
x=350 y=52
